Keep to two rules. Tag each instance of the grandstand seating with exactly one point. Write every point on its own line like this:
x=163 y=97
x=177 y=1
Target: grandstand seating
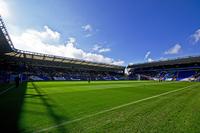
x=180 y=74
x=185 y=74
x=34 y=73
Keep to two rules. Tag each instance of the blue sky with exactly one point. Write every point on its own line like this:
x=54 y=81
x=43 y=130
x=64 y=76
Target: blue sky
x=124 y=31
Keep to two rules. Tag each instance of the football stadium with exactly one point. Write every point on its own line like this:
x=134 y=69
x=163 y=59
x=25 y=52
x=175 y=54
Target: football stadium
x=49 y=93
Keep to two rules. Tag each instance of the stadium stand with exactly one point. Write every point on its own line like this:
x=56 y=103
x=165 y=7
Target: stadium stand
x=180 y=69
x=37 y=66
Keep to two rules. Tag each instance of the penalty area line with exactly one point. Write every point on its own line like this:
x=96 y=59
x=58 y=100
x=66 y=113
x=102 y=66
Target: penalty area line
x=112 y=109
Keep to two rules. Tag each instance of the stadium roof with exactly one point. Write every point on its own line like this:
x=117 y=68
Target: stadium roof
x=7 y=50
x=176 y=61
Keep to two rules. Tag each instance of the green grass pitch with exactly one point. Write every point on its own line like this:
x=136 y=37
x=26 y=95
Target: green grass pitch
x=101 y=106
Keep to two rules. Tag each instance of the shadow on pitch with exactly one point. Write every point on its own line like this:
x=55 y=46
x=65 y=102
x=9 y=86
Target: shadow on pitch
x=11 y=104
x=50 y=109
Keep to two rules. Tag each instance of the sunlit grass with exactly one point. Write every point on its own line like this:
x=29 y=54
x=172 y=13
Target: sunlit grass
x=47 y=104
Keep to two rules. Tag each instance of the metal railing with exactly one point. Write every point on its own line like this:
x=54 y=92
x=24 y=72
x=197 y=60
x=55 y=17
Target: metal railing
x=5 y=32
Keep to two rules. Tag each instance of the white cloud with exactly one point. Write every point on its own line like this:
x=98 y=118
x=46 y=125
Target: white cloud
x=174 y=50
x=147 y=54
x=4 y=10
x=46 y=34
x=96 y=47
x=163 y=58
x=149 y=60
x=41 y=41
x=88 y=35
x=50 y=33
x=100 y=49
x=147 y=57
x=87 y=28
x=196 y=37
x=71 y=40
x=104 y=50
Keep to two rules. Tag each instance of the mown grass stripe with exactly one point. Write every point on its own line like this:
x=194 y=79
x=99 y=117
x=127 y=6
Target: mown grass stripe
x=114 y=108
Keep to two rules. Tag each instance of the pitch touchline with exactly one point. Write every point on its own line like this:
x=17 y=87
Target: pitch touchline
x=114 y=108
x=6 y=90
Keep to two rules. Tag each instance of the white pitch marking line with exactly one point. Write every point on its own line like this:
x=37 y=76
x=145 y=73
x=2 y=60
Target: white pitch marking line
x=114 y=108
x=6 y=90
